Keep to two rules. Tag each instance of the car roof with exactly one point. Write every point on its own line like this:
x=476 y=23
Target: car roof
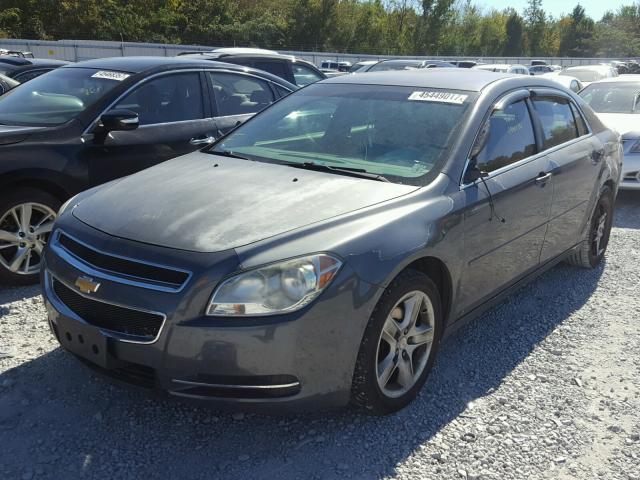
x=598 y=68
x=444 y=78
x=136 y=65
x=221 y=55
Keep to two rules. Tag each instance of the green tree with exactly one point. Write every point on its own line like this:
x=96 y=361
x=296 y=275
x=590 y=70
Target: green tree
x=535 y=22
x=577 y=39
x=515 y=35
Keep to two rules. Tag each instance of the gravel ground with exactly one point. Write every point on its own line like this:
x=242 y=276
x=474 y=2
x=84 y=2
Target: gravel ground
x=544 y=386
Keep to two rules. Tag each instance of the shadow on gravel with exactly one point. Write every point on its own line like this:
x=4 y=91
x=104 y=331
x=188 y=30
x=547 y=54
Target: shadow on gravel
x=56 y=417
x=627 y=209
x=14 y=294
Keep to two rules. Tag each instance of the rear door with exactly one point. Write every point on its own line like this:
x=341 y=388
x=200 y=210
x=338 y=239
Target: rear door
x=575 y=160
x=175 y=119
x=507 y=211
x=236 y=97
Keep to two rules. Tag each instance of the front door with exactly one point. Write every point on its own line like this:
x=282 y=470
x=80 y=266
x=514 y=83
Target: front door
x=506 y=215
x=173 y=121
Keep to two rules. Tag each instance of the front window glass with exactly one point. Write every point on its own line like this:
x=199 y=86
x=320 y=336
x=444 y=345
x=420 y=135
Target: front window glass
x=237 y=94
x=29 y=75
x=398 y=132
x=55 y=98
x=613 y=97
x=510 y=138
x=171 y=98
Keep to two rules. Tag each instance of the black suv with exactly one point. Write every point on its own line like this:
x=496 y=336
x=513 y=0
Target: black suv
x=292 y=69
x=24 y=69
x=91 y=122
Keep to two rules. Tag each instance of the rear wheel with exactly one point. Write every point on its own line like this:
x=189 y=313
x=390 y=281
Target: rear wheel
x=26 y=219
x=591 y=251
x=399 y=345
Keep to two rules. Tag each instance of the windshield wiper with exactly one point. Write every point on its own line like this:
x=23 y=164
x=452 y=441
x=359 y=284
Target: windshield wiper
x=228 y=153
x=353 y=172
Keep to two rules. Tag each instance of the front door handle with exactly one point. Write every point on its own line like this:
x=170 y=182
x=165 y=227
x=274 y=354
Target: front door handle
x=543 y=178
x=202 y=141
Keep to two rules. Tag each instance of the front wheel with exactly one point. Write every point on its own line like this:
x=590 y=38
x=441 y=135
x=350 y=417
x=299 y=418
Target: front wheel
x=26 y=219
x=399 y=345
x=591 y=251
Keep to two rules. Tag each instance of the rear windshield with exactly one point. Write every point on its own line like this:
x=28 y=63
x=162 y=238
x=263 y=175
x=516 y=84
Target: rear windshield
x=396 y=65
x=399 y=132
x=56 y=97
x=613 y=97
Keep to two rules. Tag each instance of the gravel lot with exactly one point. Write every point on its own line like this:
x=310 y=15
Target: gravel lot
x=544 y=386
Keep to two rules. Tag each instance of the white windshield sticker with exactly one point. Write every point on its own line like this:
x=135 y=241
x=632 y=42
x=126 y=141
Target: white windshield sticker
x=117 y=76
x=443 y=97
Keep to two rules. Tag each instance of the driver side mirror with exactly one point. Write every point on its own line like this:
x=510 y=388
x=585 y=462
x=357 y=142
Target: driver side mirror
x=120 y=120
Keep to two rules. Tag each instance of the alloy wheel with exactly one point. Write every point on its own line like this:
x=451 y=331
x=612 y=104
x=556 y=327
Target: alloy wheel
x=405 y=343
x=599 y=231
x=24 y=231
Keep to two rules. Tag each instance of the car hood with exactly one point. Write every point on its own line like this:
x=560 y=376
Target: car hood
x=624 y=123
x=207 y=203
x=10 y=134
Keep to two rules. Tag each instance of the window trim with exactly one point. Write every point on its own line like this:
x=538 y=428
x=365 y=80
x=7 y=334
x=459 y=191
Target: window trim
x=510 y=97
x=549 y=92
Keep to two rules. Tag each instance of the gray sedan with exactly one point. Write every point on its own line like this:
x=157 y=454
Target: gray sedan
x=318 y=254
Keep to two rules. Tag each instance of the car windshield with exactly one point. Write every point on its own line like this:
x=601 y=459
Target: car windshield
x=396 y=65
x=56 y=97
x=585 y=75
x=400 y=133
x=613 y=97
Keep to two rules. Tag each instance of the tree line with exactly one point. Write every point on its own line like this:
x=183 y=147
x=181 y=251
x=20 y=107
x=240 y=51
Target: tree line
x=393 y=27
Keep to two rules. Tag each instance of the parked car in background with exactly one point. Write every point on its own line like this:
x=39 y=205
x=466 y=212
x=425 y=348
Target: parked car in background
x=535 y=63
x=16 y=53
x=25 y=69
x=362 y=66
x=504 y=68
x=7 y=83
x=335 y=66
x=318 y=254
x=91 y=122
x=540 y=69
x=407 y=64
x=571 y=83
x=463 y=63
x=292 y=69
x=590 y=73
x=617 y=103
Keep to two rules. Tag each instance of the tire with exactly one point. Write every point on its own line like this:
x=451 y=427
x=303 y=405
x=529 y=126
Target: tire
x=375 y=349
x=41 y=208
x=590 y=252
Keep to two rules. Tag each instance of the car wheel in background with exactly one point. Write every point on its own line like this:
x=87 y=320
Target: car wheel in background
x=591 y=251
x=26 y=219
x=399 y=344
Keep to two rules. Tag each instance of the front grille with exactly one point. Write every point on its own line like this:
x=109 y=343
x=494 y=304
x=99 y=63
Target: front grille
x=110 y=317
x=123 y=266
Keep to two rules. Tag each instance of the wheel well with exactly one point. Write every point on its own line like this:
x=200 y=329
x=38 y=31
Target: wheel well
x=49 y=187
x=437 y=271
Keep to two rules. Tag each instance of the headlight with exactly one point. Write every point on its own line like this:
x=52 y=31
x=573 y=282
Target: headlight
x=66 y=204
x=635 y=148
x=279 y=288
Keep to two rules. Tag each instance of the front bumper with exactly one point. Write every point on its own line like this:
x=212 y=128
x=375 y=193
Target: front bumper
x=299 y=361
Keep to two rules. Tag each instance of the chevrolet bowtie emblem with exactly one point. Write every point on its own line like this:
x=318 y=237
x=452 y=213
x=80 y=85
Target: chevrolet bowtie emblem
x=87 y=284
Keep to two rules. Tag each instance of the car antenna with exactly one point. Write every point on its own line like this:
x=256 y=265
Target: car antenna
x=491 y=204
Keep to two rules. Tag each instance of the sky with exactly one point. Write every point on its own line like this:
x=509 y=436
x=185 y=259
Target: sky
x=594 y=8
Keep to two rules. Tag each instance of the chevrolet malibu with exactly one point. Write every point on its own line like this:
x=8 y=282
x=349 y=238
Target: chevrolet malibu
x=318 y=254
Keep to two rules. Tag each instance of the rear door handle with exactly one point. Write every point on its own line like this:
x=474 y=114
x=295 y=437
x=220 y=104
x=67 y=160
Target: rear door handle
x=202 y=141
x=596 y=155
x=543 y=177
